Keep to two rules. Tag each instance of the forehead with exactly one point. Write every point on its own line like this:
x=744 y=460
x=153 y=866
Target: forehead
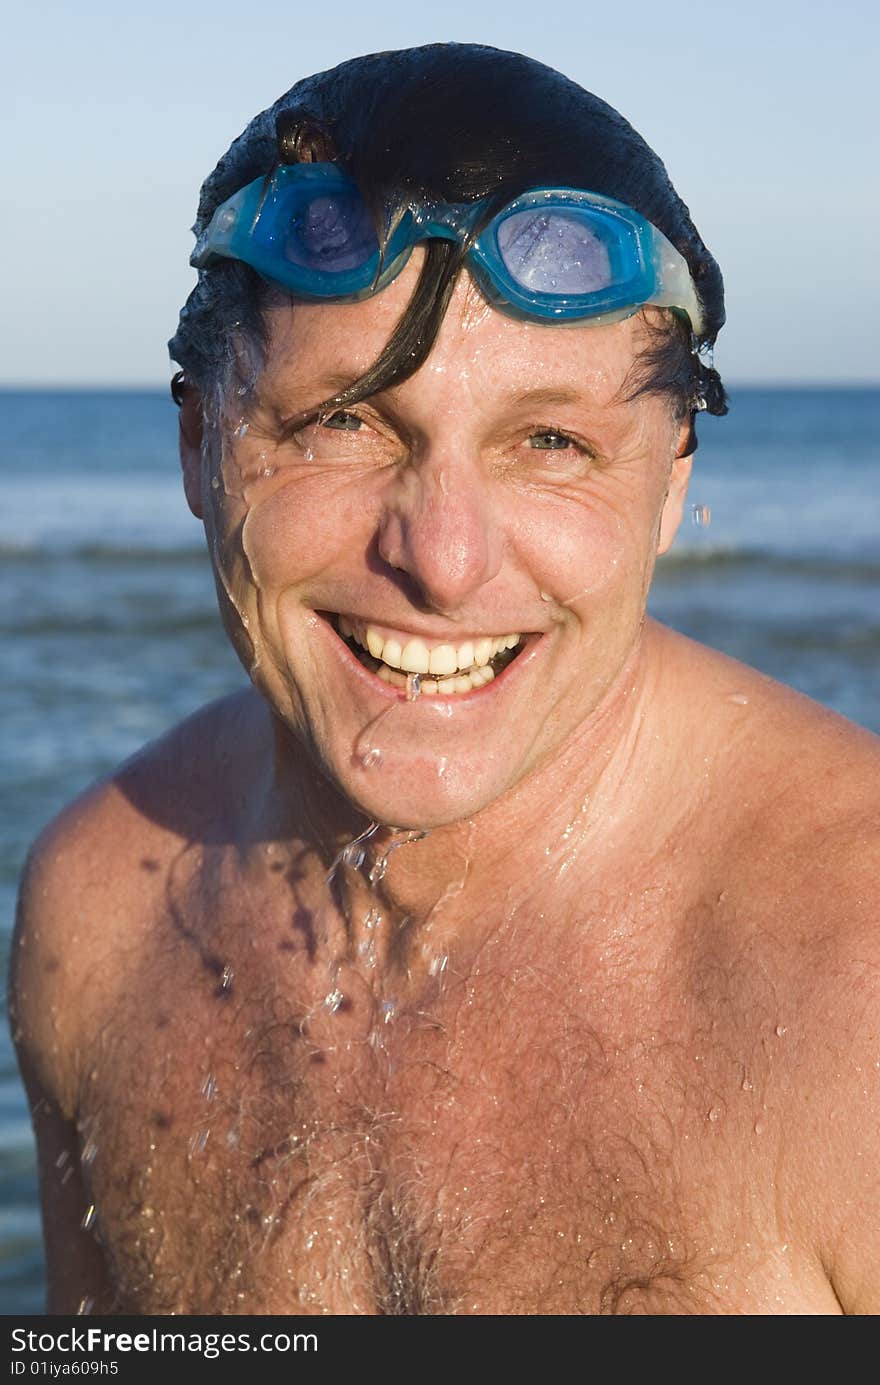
x=322 y=348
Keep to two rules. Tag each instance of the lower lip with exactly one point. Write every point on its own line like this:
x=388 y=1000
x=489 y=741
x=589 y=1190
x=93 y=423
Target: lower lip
x=389 y=693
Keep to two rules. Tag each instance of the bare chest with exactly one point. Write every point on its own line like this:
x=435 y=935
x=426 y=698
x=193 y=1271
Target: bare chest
x=276 y=1135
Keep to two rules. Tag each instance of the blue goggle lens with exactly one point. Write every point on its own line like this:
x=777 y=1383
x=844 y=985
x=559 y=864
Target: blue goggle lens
x=330 y=234
x=553 y=252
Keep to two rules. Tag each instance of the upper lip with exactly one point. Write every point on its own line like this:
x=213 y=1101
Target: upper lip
x=454 y=637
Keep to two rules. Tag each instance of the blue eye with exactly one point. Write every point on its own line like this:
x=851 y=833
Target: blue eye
x=344 y=422
x=548 y=440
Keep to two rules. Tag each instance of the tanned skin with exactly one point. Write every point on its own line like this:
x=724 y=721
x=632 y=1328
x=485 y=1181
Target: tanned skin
x=605 y=1039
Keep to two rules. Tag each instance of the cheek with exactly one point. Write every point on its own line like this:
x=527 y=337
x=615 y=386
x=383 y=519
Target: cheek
x=595 y=544
x=296 y=528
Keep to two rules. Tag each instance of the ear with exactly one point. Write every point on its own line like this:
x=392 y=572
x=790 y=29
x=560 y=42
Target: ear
x=190 y=442
x=676 y=494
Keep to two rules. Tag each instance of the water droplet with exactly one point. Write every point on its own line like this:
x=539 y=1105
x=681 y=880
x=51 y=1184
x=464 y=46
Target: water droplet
x=88 y=1217
x=438 y=964
x=747 y=1086
x=413 y=686
x=333 y=999
x=215 y=483
x=241 y=430
x=209 y=1087
x=377 y=873
x=701 y=515
x=198 y=1142
x=85 y=1307
x=739 y=699
x=714 y=1113
x=759 y=1127
x=389 y=1010
x=367 y=952
x=354 y=852
x=89 y=1151
x=227 y=976
x=370 y=759
x=780 y=1030
x=268 y=471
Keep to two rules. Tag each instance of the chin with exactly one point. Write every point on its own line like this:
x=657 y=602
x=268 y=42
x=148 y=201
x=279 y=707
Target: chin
x=424 y=791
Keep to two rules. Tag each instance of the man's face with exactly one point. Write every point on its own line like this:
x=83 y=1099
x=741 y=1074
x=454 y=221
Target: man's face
x=503 y=490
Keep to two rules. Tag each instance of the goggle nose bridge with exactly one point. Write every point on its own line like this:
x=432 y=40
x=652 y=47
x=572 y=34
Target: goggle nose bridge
x=452 y=221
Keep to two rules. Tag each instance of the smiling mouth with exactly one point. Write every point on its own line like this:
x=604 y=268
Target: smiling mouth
x=441 y=669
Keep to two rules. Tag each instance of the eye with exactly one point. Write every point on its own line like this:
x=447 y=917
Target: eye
x=548 y=440
x=343 y=422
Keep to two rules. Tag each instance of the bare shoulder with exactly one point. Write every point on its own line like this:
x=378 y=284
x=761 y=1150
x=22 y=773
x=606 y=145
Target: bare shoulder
x=795 y=792
x=802 y=851
x=797 y=767
x=92 y=880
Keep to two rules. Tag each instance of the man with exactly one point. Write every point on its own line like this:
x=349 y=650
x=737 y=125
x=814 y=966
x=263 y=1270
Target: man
x=501 y=951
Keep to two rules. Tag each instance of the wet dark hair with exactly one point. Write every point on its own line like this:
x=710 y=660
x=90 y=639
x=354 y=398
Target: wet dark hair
x=456 y=123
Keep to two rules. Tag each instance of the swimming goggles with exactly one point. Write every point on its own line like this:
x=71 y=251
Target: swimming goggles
x=552 y=254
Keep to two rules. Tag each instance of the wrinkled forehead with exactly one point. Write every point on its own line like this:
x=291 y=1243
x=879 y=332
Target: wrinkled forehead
x=314 y=351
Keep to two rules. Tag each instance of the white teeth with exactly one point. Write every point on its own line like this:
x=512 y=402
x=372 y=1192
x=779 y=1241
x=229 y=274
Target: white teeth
x=483 y=651
x=446 y=687
x=443 y=659
x=452 y=669
x=391 y=675
x=414 y=656
x=391 y=652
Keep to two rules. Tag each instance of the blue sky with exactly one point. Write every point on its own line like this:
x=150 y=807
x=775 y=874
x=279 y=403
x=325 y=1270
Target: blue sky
x=764 y=114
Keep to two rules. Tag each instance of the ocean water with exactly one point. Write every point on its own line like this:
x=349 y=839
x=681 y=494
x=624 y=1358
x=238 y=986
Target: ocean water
x=110 y=632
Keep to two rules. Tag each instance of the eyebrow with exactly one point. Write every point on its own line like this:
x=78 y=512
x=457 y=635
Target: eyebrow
x=537 y=397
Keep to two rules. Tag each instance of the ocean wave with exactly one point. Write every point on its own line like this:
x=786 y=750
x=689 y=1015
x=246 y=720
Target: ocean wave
x=153 y=550
x=728 y=558
x=719 y=558
x=124 y=623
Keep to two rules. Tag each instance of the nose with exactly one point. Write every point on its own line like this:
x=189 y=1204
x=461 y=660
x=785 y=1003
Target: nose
x=438 y=527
